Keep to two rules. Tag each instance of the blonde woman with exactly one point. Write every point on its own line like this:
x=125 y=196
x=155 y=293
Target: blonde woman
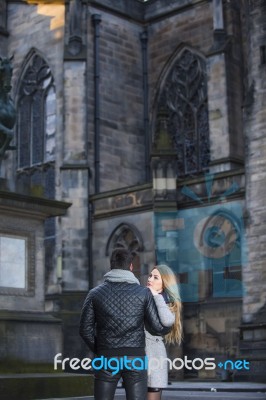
x=163 y=285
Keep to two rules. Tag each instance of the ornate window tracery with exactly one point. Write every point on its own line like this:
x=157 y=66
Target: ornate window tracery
x=36 y=114
x=36 y=130
x=184 y=100
x=127 y=236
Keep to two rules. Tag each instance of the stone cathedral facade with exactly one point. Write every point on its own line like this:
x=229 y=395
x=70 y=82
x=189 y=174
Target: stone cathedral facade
x=149 y=118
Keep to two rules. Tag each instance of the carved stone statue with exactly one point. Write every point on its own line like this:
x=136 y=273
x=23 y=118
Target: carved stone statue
x=7 y=108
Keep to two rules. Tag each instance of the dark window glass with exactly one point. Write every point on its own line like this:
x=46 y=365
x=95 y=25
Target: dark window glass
x=36 y=111
x=183 y=100
x=24 y=130
x=36 y=131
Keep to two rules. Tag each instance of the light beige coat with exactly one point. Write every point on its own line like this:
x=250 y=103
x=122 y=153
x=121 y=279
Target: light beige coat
x=155 y=348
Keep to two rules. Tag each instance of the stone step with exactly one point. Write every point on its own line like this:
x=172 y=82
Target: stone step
x=41 y=386
x=188 y=390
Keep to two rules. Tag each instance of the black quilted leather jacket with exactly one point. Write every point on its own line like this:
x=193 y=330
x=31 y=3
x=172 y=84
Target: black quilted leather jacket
x=113 y=317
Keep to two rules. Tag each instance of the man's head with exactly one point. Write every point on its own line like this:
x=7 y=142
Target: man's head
x=121 y=259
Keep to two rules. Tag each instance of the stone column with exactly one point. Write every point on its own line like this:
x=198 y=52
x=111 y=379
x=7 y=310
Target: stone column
x=253 y=329
x=74 y=171
x=163 y=163
x=224 y=93
x=255 y=132
x=74 y=110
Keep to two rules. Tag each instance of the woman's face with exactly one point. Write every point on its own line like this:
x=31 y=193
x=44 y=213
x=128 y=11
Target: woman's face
x=155 y=281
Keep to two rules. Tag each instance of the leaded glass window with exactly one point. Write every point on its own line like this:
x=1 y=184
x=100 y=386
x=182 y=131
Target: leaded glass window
x=183 y=99
x=36 y=129
x=36 y=114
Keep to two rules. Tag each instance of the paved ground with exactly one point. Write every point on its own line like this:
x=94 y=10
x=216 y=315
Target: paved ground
x=203 y=391
x=186 y=395
x=189 y=395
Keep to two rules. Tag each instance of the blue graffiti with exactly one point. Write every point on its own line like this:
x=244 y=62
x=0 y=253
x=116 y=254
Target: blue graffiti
x=204 y=245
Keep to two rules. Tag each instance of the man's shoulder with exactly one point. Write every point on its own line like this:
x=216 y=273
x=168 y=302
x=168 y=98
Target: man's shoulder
x=139 y=289
x=98 y=289
x=142 y=289
x=134 y=285
x=105 y=286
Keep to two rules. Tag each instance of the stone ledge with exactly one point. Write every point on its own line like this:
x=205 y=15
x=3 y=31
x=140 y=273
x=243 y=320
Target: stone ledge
x=36 y=386
x=27 y=316
x=20 y=203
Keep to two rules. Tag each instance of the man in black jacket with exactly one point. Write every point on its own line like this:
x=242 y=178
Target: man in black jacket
x=112 y=325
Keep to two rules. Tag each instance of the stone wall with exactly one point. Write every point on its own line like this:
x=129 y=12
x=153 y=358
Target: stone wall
x=212 y=330
x=112 y=211
x=73 y=230
x=122 y=142
x=255 y=132
x=191 y=26
x=234 y=75
x=235 y=67
x=27 y=25
x=74 y=112
x=120 y=102
x=28 y=334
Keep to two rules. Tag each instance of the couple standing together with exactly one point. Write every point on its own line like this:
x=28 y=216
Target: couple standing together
x=120 y=318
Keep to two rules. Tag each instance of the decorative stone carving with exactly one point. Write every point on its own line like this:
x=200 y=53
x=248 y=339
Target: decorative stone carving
x=34 y=89
x=7 y=108
x=126 y=236
x=75 y=47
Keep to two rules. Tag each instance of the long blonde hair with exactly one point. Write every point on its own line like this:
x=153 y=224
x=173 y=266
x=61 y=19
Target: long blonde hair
x=171 y=288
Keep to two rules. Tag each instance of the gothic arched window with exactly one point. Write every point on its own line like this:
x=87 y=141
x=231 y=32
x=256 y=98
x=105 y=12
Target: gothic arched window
x=127 y=236
x=36 y=114
x=36 y=129
x=183 y=99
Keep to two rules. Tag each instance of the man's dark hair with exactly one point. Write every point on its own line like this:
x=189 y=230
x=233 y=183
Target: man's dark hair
x=121 y=259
